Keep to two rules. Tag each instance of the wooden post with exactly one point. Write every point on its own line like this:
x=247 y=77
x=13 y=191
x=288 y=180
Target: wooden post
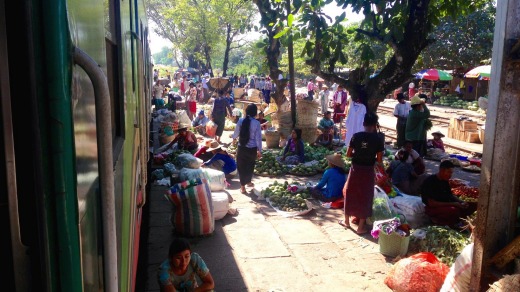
x=500 y=176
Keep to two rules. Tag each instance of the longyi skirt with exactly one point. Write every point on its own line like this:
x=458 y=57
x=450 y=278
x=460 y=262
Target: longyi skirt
x=360 y=191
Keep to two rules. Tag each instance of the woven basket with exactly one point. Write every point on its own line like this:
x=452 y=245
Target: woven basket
x=306 y=113
x=272 y=139
x=393 y=244
x=309 y=134
x=507 y=283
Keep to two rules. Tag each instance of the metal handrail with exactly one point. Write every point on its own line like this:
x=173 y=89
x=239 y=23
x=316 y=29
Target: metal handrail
x=106 y=166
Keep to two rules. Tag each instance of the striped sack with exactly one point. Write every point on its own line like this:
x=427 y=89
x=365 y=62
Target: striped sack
x=192 y=208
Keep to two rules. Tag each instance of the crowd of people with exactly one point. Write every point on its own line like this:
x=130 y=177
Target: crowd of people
x=364 y=143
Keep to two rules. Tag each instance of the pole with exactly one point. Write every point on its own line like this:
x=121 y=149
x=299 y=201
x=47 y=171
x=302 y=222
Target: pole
x=291 y=68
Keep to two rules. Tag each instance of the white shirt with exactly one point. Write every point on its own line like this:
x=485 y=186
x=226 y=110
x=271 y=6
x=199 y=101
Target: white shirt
x=411 y=157
x=402 y=109
x=204 y=81
x=158 y=91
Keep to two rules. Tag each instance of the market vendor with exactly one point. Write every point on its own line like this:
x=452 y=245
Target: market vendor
x=442 y=206
x=263 y=122
x=221 y=160
x=185 y=139
x=401 y=172
x=199 y=123
x=330 y=187
x=203 y=152
x=325 y=138
x=236 y=114
x=294 y=152
x=436 y=142
x=327 y=122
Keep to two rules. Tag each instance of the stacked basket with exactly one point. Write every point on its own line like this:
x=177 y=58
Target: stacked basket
x=306 y=119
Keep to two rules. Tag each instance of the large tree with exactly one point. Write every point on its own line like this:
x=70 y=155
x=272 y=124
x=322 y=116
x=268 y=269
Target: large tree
x=462 y=42
x=403 y=27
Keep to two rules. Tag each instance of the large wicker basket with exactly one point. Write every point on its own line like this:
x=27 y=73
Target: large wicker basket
x=272 y=139
x=507 y=283
x=309 y=134
x=306 y=113
x=393 y=244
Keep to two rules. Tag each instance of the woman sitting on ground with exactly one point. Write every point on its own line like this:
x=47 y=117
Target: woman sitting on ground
x=184 y=270
x=185 y=139
x=203 y=152
x=325 y=138
x=294 y=152
x=221 y=160
x=330 y=187
x=436 y=142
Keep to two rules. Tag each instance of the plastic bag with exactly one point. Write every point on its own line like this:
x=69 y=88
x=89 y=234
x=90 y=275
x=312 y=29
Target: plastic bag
x=158 y=174
x=459 y=276
x=216 y=179
x=419 y=272
x=169 y=168
x=189 y=161
x=381 y=207
x=191 y=174
x=183 y=117
x=211 y=129
x=382 y=179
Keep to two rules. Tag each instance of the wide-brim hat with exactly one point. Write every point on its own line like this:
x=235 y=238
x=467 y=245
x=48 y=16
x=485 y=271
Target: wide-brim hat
x=336 y=160
x=438 y=133
x=416 y=100
x=324 y=86
x=214 y=145
x=183 y=126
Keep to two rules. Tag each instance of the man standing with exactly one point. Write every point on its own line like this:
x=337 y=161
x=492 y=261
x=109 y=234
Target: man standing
x=442 y=206
x=401 y=111
x=340 y=102
x=158 y=90
x=310 y=89
x=205 y=88
x=416 y=125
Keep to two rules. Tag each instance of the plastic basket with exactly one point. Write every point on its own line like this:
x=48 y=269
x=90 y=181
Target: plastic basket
x=393 y=244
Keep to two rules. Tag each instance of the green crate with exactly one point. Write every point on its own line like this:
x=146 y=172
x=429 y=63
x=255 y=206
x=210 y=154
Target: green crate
x=393 y=244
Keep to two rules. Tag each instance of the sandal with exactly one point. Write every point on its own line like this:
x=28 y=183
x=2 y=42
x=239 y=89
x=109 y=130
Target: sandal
x=361 y=232
x=251 y=185
x=342 y=223
x=355 y=221
x=243 y=191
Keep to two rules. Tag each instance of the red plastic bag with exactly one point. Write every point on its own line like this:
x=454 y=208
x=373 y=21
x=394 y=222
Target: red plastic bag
x=382 y=179
x=211 y=129
x=338 y=204
x=420 y=272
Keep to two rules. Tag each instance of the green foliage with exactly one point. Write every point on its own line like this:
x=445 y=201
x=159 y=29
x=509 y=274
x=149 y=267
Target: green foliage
x=164 y=57
x=463 y=42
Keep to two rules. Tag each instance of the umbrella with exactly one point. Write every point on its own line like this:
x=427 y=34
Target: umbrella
x=434 y=75
x=319 y=79
x=482 y=72
x=218 y=83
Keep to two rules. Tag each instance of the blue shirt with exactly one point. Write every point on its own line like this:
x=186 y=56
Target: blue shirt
x=333 y=181
x=229 y=163
x=255 y=133
x=198 y=121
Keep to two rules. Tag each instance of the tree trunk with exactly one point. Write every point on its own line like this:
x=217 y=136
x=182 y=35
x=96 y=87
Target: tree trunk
x=291 y=69
x=207 y=50
x=268 y=15
x=226 y=52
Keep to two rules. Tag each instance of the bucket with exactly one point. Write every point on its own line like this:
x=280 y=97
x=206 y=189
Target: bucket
x=393 y=244
x=272 y=139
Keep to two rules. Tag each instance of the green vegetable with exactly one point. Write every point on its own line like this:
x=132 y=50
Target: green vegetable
x=444 y=242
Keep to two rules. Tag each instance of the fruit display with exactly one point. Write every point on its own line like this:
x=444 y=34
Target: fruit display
x=315 y=153
x=322 y=165
x=268 y=166
x=280 y=196
x=229 y=125
x=465 y=193
x=304 y=170
x=454 y=102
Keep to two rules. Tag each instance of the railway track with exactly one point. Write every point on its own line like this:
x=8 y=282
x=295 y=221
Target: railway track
x=392 y=134
x=436 y=120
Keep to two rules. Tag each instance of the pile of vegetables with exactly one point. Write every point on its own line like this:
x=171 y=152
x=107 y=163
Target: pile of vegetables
x=301 y=169
x=454 y=102
x=315 y=153
x=229 y=125
x=267 y=165
x=465 y=193
x=455 y=183
x=173 y=156
x=284 y=199
x=444 y=242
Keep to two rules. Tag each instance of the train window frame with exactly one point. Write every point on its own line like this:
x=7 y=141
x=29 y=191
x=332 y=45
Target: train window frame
x=114 y=77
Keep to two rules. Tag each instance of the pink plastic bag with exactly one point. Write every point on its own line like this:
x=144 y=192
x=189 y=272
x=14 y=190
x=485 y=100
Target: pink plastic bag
x=420 y=272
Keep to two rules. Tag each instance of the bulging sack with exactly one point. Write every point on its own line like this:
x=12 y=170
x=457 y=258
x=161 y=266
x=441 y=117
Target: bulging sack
x=192 y=212
x=211 y=129
x=216 y=179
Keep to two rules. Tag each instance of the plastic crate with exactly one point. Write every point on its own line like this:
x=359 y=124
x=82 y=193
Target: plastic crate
x=393 y=244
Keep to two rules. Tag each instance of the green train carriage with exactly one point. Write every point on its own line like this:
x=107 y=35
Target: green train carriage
x=75 y=80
